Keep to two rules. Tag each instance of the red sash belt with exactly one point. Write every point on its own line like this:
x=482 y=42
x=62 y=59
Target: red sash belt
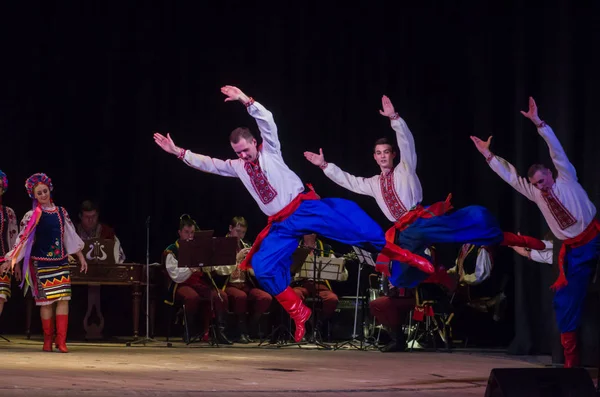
x=436 y=209
x=581 y=239
x=278 y=217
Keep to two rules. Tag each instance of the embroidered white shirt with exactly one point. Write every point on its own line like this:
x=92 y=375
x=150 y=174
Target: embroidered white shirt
x=567 y=208
x=395 y=193
x=284 y=182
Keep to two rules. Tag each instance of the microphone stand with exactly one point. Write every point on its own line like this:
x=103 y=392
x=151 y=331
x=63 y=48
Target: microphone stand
x=147 y=338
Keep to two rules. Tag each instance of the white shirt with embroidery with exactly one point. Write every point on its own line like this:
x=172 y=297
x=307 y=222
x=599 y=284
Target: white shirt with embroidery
x=281 y=185
x=398 y=191
x=9 y=234
x=72 y=242
x=574 y=211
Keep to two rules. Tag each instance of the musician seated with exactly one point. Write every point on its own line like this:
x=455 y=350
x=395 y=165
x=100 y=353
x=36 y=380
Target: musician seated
x=307 y=287
x=89 y=228
x=479 y=287
x=391 y=311
x=194 y=287
x=245 y=298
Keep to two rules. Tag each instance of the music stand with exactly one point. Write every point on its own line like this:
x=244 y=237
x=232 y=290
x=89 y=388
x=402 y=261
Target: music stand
x=316 y=337
x=281 y=334
x=364 y=258
x=99 y=251
x=207 y=251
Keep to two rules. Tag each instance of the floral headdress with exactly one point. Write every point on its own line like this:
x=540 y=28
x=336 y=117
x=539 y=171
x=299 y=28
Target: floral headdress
x=4 y=181
x=35 y=180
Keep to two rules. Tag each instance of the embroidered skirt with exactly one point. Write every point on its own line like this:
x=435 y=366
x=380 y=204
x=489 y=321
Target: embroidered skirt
x=53 y=281
x=5 y=280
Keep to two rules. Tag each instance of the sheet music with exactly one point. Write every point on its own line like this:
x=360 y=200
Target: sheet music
x=328 y=268
x=364 y=256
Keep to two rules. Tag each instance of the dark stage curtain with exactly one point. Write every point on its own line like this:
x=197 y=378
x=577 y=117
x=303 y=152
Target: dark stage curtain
x=84 y=86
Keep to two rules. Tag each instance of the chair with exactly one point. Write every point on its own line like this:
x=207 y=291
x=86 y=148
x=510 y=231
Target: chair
x=434 y=309
x=177 y=311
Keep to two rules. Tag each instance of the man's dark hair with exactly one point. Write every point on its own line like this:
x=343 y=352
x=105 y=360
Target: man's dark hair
x=88 y=206
x=239 y=134
x=535 y=168
x=384 y=141
x=186 y=220
x=239 y=220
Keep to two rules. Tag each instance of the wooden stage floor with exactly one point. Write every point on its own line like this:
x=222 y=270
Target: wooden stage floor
x=109 y=369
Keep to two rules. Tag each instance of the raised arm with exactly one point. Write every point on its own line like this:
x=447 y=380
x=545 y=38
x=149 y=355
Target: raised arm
x=264 y=118
x=355 y=184
x=557 y=153
x=197 y=161
x=504 y=169
x=406 y=142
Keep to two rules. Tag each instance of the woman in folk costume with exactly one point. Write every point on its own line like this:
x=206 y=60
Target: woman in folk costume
x=8 y=236
x=44 y=243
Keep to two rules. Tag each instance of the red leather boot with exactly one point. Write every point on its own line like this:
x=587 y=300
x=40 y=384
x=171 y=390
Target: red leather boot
x=569 y=343
x=516 y=240
x=62 y=323
x=297 y=310
x=48 y=328
x=394 y=252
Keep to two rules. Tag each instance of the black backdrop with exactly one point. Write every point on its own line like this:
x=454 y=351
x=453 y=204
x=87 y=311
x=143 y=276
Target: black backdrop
x=85 y=84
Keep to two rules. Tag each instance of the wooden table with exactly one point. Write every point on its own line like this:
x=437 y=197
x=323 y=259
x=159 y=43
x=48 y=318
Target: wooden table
x=125 y=274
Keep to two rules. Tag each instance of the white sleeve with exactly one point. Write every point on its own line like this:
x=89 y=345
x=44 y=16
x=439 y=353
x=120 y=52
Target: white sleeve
x=557 y=153
x=118 y=251
x=23 y=225
x=73 y=243
x=177 y=274
x=344 y=275
x=509 y=174
x=224 y=270
x=209 y=164
x=354 y=184
x=543 y=256
x=483 y=268
x=266 y=126
x=13 y=229
x=406 y=144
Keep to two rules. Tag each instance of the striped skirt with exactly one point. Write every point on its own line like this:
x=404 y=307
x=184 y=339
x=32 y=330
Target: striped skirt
x=53 y=282
x=5 y=280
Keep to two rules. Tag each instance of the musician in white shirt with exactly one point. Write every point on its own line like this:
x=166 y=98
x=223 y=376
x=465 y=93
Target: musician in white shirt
x=292 y=213
x=571 y=217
